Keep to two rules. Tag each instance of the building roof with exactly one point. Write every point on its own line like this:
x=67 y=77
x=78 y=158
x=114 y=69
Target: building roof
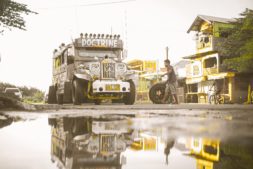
x=198 y=55
x=209 y=19
x=181 y=64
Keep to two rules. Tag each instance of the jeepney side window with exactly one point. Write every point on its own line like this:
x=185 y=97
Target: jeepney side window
x=70 y=56
x=65 y=56
x=62 y=59
x=57 y=62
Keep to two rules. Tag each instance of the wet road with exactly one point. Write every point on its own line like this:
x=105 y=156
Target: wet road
x=127 y=138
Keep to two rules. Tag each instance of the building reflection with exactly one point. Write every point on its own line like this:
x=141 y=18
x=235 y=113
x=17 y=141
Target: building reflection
x=213 y=154
x=206 y=151
x=83 y=142
x=144 y=141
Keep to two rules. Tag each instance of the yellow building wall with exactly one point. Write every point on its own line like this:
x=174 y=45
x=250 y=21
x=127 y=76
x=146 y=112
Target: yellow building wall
x=145 y=67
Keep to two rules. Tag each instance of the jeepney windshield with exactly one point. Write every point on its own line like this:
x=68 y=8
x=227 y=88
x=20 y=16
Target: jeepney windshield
x=99 y=53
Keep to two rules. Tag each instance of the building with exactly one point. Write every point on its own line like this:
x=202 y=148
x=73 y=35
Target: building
x=180 y=70
x=147 y=75
x=206 y=66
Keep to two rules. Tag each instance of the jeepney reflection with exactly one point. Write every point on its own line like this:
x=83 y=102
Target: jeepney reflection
x=84 y=142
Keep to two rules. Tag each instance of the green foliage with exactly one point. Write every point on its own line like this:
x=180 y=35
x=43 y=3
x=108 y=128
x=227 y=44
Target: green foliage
x=11 y=14
x=240 y=64
x=238 y=46
x=31 y=95
x=36 y=98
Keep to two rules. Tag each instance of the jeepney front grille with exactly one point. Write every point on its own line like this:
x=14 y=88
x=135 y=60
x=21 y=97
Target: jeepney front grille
x=107 y=143
x=108 y=70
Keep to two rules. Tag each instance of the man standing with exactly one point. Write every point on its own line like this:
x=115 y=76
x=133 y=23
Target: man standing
x=170 y=83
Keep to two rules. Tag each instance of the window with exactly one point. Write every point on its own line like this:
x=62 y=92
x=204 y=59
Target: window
x=57 y=62
x=193 y=88
x=63 y=58
x=70 y=60
x=206 y=39
x=210 y=62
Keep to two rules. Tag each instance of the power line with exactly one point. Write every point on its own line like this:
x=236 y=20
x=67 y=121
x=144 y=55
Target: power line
x=107 y=3
x=91 y=4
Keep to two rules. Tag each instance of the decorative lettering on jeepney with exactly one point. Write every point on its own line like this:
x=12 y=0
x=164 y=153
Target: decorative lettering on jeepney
x=105 y=43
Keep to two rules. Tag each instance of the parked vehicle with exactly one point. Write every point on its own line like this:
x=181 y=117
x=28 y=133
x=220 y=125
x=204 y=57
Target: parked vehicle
x=91 y=70
x=13 y=92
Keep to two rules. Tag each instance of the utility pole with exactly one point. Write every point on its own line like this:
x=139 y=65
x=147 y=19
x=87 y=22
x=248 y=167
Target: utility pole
x=167 y=53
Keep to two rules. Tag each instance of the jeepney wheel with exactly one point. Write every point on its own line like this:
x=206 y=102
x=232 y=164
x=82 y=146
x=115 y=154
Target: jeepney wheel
x=97 y=102
x=76 y=92
x=156 y=93
x=52 y=95
x=129 y=98
x=59 y=98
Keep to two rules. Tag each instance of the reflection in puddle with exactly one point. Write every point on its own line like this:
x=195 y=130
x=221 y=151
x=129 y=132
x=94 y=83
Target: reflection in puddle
x=121 y=142
x=85 y=143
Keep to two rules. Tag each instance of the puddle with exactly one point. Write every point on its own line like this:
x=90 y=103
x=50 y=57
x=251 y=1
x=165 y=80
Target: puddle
x=124 y=142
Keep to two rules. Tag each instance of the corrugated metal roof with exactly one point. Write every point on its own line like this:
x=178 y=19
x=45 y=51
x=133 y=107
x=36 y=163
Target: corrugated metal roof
x=216 y=19
x=197 y=55
x=181 y=64
x=210 y=19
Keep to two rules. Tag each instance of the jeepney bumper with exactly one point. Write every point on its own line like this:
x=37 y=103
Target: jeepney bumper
x=109 y=86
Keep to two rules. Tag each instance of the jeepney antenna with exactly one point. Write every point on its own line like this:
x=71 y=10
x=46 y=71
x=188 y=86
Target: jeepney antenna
x=125 y=19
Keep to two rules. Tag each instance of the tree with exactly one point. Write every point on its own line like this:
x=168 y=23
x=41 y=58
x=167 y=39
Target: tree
x=238 y=46
x=11 y=15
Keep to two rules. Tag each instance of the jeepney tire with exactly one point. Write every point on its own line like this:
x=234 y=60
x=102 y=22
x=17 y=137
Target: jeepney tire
x=97 y=102
x=76 y=92
x=59 y=98
x=67 y=96
x=52 y=95
x=129 y=98
x=153 y=93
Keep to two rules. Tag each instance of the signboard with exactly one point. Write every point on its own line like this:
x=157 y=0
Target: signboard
x=194 y=69
x=149 y=66
x=99 y=43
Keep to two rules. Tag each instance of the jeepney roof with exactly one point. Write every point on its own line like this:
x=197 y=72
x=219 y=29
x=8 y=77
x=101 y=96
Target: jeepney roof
x=61 y=50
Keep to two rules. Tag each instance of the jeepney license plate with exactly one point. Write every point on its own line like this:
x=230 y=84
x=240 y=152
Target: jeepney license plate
x=112 y=87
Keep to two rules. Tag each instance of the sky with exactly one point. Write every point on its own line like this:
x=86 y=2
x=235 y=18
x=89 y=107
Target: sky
x=145 y=26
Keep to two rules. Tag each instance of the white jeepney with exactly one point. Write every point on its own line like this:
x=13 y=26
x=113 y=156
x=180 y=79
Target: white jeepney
x=90 y=69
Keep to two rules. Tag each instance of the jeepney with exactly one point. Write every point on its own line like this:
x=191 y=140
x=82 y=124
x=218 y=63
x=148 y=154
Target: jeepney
x=91 y=69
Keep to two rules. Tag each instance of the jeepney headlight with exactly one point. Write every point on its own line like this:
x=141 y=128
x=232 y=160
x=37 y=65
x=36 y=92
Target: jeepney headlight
x=121 y=68
x=83 y=69
x=95 y=69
